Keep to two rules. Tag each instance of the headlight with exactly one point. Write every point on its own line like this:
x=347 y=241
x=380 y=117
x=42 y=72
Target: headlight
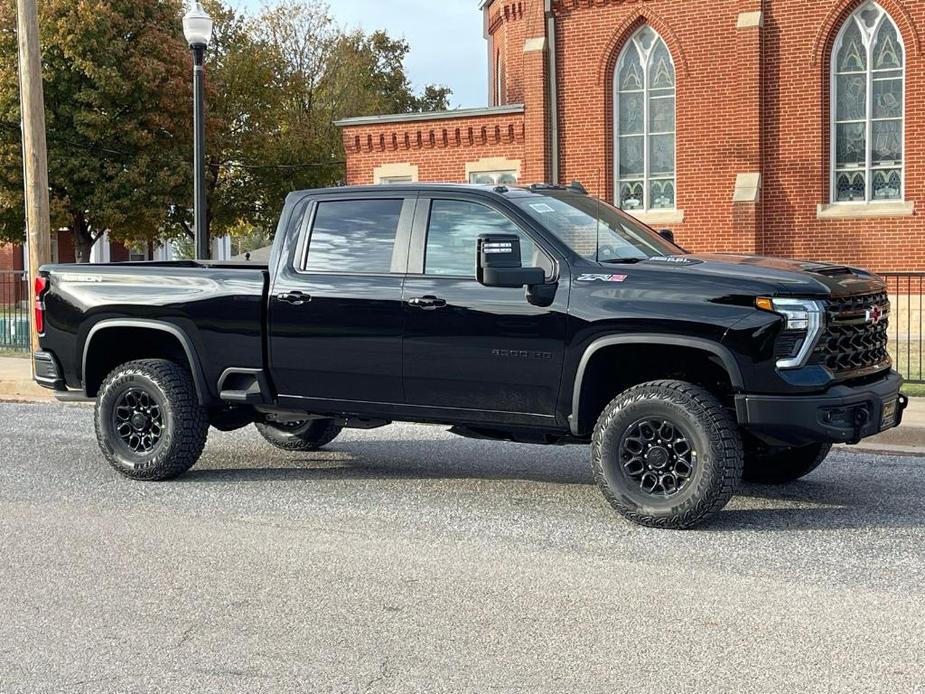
x=804 y=321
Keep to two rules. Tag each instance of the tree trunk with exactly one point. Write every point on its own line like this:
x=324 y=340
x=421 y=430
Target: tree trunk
x=83 y=238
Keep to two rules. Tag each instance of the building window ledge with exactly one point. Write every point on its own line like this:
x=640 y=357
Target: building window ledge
x=862 y=210
x=656 y=218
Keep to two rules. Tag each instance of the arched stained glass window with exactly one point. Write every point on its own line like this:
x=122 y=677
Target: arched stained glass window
x=644 y=110
x=868 y=78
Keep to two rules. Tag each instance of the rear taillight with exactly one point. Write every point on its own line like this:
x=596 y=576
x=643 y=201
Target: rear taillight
x=41 y=286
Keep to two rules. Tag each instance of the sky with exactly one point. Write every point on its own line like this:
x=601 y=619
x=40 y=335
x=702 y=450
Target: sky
x=447 y=46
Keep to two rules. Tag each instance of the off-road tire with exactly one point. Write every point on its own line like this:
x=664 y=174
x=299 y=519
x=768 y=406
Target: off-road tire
x=715 y=440
x=782 y=467
x=309 y=436
x=185 y=426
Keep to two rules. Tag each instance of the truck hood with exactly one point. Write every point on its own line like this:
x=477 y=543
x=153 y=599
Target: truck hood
x=785 y=277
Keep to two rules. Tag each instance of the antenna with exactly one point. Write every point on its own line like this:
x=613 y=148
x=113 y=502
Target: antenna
x=597 y=226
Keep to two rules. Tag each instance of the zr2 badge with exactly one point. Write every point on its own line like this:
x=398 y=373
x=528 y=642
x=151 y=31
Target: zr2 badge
x=602 y=278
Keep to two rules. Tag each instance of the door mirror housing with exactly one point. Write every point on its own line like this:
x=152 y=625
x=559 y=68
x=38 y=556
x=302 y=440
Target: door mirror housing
x=500 y=264
x=667 y=234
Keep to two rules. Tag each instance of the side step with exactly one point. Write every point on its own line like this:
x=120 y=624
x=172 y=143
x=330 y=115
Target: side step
x=244 y=387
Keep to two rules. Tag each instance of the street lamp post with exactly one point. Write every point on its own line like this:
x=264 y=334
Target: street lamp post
x=197 y=27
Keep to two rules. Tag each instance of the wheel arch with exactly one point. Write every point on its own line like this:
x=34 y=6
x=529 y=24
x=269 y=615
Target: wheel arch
x=579 y=417
x=165 y=341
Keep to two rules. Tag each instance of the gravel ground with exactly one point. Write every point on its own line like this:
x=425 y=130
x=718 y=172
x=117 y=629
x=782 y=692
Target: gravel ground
x=408 y=560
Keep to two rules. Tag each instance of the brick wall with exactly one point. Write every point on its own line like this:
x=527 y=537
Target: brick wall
x=12 y=288
x=439 y=148
x=10 y=257
x=799 y=37
x=510 y=24
x=752 y=99
x=714 y=106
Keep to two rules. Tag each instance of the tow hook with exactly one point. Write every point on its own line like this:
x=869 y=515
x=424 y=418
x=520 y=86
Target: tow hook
x=861 y=417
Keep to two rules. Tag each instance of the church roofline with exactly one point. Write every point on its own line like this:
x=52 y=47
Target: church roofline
x=432 y=115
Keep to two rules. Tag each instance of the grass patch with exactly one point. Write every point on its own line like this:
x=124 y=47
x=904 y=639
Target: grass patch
x=14 y=353
x=908 y=359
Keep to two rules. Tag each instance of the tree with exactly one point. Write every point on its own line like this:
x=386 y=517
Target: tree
x=281 y=79
x=119 y=100
x=118 y=111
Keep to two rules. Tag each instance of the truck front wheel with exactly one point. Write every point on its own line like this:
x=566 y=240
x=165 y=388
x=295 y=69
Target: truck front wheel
x=300 y=436
x=149 y=422
x=781 y=467
x=667 y=454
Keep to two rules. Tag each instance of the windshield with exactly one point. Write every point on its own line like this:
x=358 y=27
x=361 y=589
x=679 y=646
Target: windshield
x=595 y=230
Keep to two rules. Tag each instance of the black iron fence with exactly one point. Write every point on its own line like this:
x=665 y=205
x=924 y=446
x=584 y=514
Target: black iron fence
x=907 y=328
x=14 y=312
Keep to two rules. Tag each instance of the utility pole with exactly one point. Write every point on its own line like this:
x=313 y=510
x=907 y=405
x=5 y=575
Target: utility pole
x=34 y=146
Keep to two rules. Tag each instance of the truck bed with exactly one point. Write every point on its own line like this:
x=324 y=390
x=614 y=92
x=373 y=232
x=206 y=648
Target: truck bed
x=218 y=308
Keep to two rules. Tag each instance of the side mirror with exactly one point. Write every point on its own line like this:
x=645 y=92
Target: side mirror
x=500 y=265
x=667 y=234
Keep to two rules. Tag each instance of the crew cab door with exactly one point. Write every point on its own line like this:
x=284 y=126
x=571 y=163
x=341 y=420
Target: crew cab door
x=467 y=346
x=335 y=308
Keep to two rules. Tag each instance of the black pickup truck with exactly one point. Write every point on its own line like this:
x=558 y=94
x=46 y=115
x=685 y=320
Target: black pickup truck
x=537 y=315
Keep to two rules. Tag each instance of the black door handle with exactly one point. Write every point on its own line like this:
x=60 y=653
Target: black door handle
x=294 y=298
x=427 y=303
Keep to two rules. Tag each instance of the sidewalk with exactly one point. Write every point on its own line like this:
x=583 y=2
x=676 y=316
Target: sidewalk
x=16 y=384
x=16 y=381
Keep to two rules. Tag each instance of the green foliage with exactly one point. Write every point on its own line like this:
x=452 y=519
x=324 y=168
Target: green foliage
x=118 y=99
x=117 y=112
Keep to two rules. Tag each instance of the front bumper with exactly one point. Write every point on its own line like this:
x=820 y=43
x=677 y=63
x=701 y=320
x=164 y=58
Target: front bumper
x=845 y=414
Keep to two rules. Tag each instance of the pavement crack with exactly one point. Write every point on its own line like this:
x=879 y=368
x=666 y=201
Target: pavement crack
x=384 y=674
x=187 y=633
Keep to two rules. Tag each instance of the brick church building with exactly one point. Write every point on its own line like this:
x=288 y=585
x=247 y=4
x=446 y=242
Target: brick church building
x=781 y=127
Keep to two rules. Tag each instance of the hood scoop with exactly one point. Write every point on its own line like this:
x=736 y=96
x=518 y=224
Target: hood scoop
x=829 y=270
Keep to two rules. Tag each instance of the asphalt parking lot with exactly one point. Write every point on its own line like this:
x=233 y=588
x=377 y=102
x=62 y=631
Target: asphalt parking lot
x=408 y=560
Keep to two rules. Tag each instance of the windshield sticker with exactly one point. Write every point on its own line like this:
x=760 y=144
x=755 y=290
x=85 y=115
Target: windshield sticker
x=602 y=278
x=542 y=207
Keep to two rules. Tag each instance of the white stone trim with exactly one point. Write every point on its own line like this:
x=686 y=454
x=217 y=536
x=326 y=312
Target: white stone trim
x=102 y=250
x=398 y=170
x=750 y=20
x=656 y=218
x=491 y=164
x=865 y=210
x=748 y=186
x=536 y=44
x=221 y=248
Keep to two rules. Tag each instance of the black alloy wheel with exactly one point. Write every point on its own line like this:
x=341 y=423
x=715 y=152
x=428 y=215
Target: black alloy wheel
x=138 y=421
x=659 y=456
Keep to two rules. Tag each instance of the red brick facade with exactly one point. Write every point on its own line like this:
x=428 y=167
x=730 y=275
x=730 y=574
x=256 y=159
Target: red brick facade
x=752 y=105
x=12 y=287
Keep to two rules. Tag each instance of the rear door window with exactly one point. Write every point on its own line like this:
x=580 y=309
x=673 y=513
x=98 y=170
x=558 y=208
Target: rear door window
x=354 y=236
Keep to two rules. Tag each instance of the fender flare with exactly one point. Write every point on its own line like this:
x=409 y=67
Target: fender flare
x=199 y=379
x=715 y=348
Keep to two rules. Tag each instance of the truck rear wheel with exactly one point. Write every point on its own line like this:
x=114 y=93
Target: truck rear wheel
x=300 y=436
x=781 y=467
x=149 y=422
x=667 y=454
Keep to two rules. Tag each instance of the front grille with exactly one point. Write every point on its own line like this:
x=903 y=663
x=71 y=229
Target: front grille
x=851 y=341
